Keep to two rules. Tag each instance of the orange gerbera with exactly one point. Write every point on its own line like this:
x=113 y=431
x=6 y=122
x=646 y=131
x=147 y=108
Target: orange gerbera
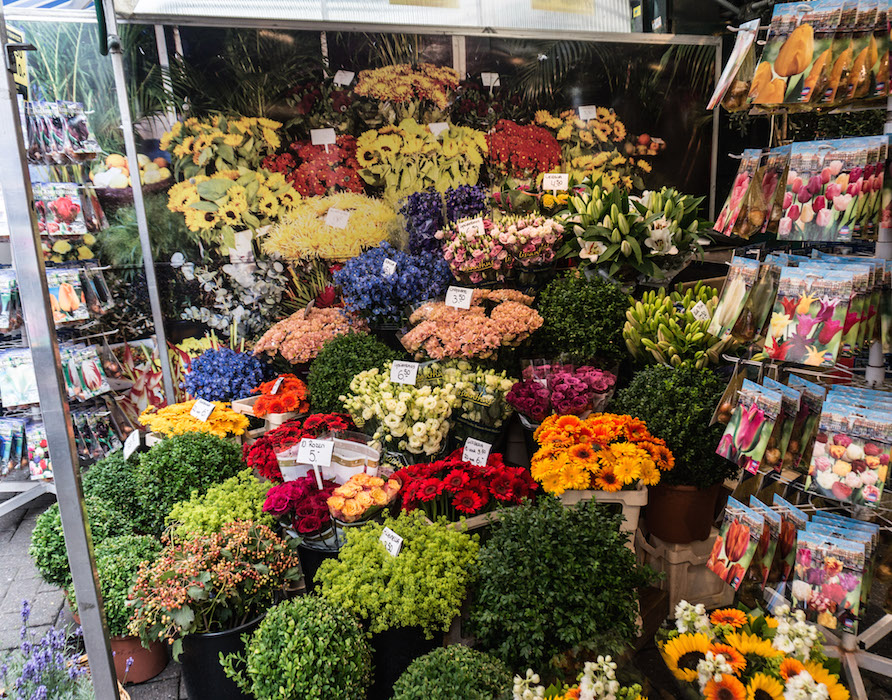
x=568 y=423
x=636 y=429
x=607 y=480
x=729 y=688
x=660 y=454
x=729 y=616
x=733 y=657
x=583 y=453
x=790 y=667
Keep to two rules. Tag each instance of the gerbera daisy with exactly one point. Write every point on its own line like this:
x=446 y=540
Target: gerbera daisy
x=764 y=687
x=821 y=675
x=748 y=644
x=607 y=480
x=429 y=489
x=582 y=453
x=468 y=501
x=627 y=469
x=575 y=476
x=650 y=475
x=456 y=480
x=790 y=667
x=729 y=688
x=733 y=657
x=729 y=616
x=683 y=653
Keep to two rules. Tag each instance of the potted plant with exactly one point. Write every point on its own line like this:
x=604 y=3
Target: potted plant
x=677 y=404
x=455 y=672
x=201 y=595
x=117 y=562
x=305 y=648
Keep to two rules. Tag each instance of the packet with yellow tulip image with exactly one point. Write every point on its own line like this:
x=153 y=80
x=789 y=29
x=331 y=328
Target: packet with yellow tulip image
x=865 y=52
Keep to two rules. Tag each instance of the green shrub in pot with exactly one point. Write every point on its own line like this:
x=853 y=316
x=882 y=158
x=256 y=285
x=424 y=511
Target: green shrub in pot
x=455 y=672
x=113 y=479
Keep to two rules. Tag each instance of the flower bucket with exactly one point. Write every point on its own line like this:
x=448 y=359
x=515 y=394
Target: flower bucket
x=388 y=333
x=392 y=652
x=462 y=429
x=145 y=664
x=311 y=559
x=529 y=429
x=681 y=514
x=352 y=454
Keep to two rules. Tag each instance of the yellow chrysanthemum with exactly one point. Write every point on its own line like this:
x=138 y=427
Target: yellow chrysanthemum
x=683 y=653
x=764 y=687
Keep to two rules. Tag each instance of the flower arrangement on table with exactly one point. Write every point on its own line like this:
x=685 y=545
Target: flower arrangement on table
x=261 y=454
x=305 y=232
x=604 y=452
x=223 y=374
x=532 y=240
x=597 y=681
x=497 y=318
x=523 y=152
x=380 y=298
x=300 y=337
x=732 y=654
x=482 y=409
x=400 y=417
x=561 y=389
x=319 y=170
x=289 y=397
x=454 y=488
x=175 y=419
x=423 y=212
x=301 y=508
x=404 y=83
x=362 y=497
x=322 y=104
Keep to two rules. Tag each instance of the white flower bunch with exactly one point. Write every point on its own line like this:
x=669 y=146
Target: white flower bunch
x=691 y=619
x=528 y=688
x=598 y=680
x=481 y=392
x=803 y=687
x=794 y=636
x=713 y=667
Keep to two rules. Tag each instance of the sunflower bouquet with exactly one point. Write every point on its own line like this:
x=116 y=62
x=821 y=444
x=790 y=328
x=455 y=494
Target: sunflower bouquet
x=404 y=83
x=732 y=655
x=605 y=452
x=176 y=419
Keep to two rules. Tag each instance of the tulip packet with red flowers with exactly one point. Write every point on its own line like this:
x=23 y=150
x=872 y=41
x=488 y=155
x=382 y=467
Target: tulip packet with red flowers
x=746 y=436
x=859 y=300
x=793 y=520
x=764 y=560
x=805 y=427
x=731 y=210
x=783 y=428
x=736 y=543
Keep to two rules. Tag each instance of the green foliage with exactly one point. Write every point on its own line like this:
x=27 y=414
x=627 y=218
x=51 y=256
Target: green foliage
x=113 y=480
x=581 y=316
x=305 y=648
x=48 y=541
x=423 y=586
x=555 y=581
x=677 y=404
x=340 y=359
x=453 y=673
x=117 y=563
x=177 y=466
x=240 y=497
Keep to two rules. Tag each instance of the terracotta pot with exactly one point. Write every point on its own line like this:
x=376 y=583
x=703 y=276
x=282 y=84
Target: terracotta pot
x=147 y=663
x=681 y=514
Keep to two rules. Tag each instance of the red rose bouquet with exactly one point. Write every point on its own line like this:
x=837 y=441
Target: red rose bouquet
x=522 y=151
x=300 y=506
x=290 y=396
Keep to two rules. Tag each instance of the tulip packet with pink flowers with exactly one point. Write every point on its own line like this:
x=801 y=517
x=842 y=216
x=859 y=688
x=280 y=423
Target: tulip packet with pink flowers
x=774 y=184
x=847 y=528
x=736 y=544
x=864 y=539
x=793 y=521
x=731 y=210
x=746 y=436
x=859 y=300
x=764 y=558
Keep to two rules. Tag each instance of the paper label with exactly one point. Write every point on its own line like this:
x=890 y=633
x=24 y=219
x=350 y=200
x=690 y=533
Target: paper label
x=201 y=410
x=389 y=267
x=438 y=128
x=337 y=218
x=474 y=226
x=323 y=137
x=555 y=181
x=587 y=112
x=343 y=77
x=131 y=444
x=315 y=452
x=476 y=452
x=309 y=307
x=700 y=311
x=459 y=297
x=490 y=79
x=392 y=542
x=277 y=385
x=244 y=248
x=404 y=372
x=657 y=23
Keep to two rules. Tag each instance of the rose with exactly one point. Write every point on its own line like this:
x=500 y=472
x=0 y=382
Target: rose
x=276 y=502
x=308 y=524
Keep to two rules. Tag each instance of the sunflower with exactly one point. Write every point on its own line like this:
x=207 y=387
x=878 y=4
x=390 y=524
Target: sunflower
x=564 y=132
x=821 y=675
x=607 y=480
x=764 y=687
x=197 y=220
x=683 y=653
x=602 y=114
x=729 y=688
x=229 y=214
x=233 y=140
x=450 y=148
x=790 y=667
x=733 y=657
x=753 y=644
x=771 y=622
x=729 y=616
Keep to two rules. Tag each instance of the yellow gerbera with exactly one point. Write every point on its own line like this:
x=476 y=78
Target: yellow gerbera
x=542 y=116
x=764 y=687
x=650 y=474
x=607 y=480
x=627 y=469
x=753 y=644
x=575 y=477
x=683 y=653
x=821 y=675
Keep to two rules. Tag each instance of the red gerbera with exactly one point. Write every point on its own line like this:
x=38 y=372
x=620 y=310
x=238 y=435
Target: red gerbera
x=429 y=489
x=469 y=502
x=456 y=480
x=502 y=487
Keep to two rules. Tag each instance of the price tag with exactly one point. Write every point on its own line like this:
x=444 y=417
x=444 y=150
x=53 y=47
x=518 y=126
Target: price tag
x=315 y=452
x=337 y=218
x=438 y=128
x=555 y=182
x=476 y=452
x=490 y=79
x=323 y=137
x=404 y=372
x=202 y=410
x=343 y=77
x=309 y=307
x=474 y=226
x=277 y=385
x=131 y=444
x=392 y=542
x=587 y=112
x=389 y=267
x=459 y=297
x=657 y=23
x=700 y=311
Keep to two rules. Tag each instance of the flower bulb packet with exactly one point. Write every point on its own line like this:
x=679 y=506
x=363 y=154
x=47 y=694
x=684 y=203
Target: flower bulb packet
x=855 y=529
x=741 y=277
x=774 y=183
x=805 y=427
x=793 y=521
x=869 y=309
x=864 y=538
x=783 y=428
x=736 y=544
x=746 y=436
x=731 y=209
x=66 y=296
x=18 y=381
x=829 y=86
x=859 y=300
x=764 y=559
x=752 y=321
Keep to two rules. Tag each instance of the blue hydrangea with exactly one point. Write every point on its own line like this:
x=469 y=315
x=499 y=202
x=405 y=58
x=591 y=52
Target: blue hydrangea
x=224 y=375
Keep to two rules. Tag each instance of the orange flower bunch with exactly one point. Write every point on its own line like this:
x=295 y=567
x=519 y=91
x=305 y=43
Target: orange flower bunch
x=290 y=397
x=605 y=452
x=360 y=495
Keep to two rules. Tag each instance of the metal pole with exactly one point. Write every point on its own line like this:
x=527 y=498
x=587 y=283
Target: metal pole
x=31 y=276
x=117 y=58
x=714 y=153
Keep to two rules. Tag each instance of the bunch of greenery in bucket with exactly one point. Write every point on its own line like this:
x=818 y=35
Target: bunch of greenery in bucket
x=305 y=648
x=455 y=672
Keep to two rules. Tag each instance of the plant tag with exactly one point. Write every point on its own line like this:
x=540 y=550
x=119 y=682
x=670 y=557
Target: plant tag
x=389 y=267
x=392 y=542
x=555 y=181
x=700 y=311
x=131 y=444
x=315 y=452
x=404 y=372
x=201 y=410
x=459 y=297
x=438 y=128
x=337 y=218
x=657 y=23
x=323 y=137
x=476 y=452
x=490 y=79
x=309 y=307
x=277 y=385
x=474 y=226
x=587 y=112
x=343 y=77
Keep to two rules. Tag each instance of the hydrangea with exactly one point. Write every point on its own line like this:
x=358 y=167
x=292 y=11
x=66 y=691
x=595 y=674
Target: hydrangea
x=223 y=375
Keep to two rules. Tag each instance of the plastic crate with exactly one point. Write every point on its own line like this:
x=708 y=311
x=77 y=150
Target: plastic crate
x=631 y=503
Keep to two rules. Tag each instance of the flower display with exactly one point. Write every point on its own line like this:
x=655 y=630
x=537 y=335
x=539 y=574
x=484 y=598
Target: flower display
x=381 y=298
x=518 y=151
x=175 y=419
x=300 y=505
x=477 y=254
x=482 y=408
x=562 y=389
x=290 y=396
x=307 y=232
x=404 y=82
x=223 y=375
x=454 y=488
x=300 y=337
x=605 y=452
x=497 y=318
x=319 y=170
x=423 y=214
x=596 y=682
x=362 y=497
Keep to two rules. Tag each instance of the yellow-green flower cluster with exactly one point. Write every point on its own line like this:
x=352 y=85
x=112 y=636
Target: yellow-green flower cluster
x=480 y=391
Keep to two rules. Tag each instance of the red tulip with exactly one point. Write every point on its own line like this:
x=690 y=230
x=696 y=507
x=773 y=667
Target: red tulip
x=737 y=540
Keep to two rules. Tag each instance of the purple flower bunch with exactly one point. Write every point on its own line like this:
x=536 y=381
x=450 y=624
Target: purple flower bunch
x=530 y=398
x=465 y=201
x=570 y=395
x=224 y=375
x=423 y=212
x=562 y=389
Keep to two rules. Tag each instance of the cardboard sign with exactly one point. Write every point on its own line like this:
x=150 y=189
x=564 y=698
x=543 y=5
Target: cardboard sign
x=459 y=297
x=404 y=372
x=202 y=410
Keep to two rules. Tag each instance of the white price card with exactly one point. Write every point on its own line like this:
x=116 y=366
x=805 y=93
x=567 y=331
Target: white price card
x=131 y=444
x=438 y=128
x=315 y=452
x=474 y=226
x=404 y=372
x=587 y=112
x=343 y=77
x=277 y=385
x=700 y=311
x=389 y=267
x=476 y=452
x=555 y=181
x=337 y=218
x=392 y=542
x=202 y=410
x=490 y=79
x=323 y=137
x=459 y=297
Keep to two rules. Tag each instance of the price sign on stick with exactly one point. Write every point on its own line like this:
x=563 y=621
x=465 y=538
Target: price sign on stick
x=131 y=444
x=389 y=267
x=490 y=79
x=476 y=452
x=315 y=452
x=438 y=128
x=277 y=385
x=587 y=112
x=404 y=372
x=343 y=77
x=392 y=542
x=459 y=297
x=555 y=182
x=202 y=410
x=700 y=311
x=323 y=137
x=337 y=218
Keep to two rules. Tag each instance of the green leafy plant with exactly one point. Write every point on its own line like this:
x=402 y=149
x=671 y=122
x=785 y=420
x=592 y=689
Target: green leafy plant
x=47 y=548
x=240 y=497
x=455 y=672
x=113 y=480
x=340 y=359
x=305 y=648
x=677 y=404
x=423 y=586
x=554 y=582
x=117 y=562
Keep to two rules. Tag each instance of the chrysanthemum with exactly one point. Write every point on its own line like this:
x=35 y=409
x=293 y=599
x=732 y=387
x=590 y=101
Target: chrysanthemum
x=764 y=687
x=729 y=616
x=753 y=644
x=683 y=653
x=733 y=657
x=729 y=688
x=607 y=480
x=790 y=667
x=821 y=675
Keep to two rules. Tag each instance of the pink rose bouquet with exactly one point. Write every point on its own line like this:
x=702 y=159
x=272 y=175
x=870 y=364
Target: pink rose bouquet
x=561 y=389
x=300 y=506
x=476 y=253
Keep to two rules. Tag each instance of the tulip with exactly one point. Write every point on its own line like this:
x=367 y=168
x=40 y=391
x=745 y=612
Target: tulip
x=787 y=537
x=751 y=422
x=793 y=213
x=819 y=203
x=835 y=167
x=785 y=227
x=833 y=190
x=796 y=185
x=856 y=174
x=841 y=202
x=807 y=215
x=788 y=200
x=815 y=184
x=804 y=195
x=737 y=541
x=824 y=218
x=843 y=180
x=826 y=174
x=854 y=188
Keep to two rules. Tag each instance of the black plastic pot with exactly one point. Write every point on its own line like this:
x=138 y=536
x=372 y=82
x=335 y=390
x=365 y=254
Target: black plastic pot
x=310 y=561
x=202 y=673
x=388 y=333
x=392 y=652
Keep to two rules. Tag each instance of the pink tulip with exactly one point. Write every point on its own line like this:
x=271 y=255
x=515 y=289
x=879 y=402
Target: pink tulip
x=826 y=174
x=785 y=227
x=841 y=202
x=854 y=188
x=815 y=184
x=835 y=167
x=788 y=199
x=819 y=203
x=804 y=195
x=796 y=185
x=793 y=213
x=833 y=190
x=824 y=218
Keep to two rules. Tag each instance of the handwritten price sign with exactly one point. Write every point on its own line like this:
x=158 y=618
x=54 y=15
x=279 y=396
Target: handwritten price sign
x=476 y=452
x=554 y=182
x=131 y=444
x=459 y=297
x=404 y=372
x=315 y=452
x=392 y=542
x=202 y=410
x=389 y=267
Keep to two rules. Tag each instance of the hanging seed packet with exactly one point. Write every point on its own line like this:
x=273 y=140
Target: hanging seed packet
x=783 y=428
x=793 y=521
x=805 y=427
x=755 y=206
x=39 y=463
x=743 y=45
x=857 y=303
x=764 y=560
x=736 y=544
x=864 y=537
x=8 y=293
x=880 y=78
x=835 y=70
x=81 y=142
x=746 y=436
x=66 y=296
x=18 y=382
x=731 y=210
x=741 y=277
x=64 y=211
x=860 y=83
x=774 y=183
